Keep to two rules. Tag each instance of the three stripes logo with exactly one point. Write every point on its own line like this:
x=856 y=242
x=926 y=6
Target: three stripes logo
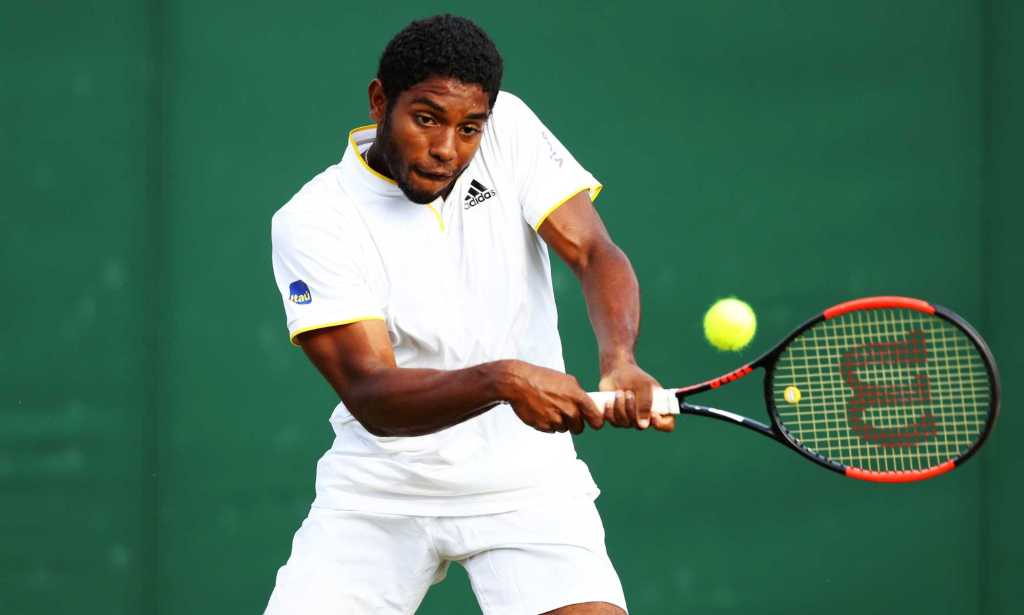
x=478 y=193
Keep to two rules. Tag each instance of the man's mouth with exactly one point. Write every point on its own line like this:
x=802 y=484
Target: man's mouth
x=436 y=177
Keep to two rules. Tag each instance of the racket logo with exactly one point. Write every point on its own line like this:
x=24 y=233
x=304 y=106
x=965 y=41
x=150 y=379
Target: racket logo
x=888 y=362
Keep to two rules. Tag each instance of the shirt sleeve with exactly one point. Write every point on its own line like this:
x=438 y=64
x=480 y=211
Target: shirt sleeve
x=321 y=275
x=545 y=173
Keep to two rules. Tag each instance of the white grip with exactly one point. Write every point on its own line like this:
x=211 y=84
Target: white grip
x=664 y=402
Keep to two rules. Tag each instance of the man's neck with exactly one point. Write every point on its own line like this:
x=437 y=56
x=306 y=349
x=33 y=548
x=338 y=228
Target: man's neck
x=373 y=159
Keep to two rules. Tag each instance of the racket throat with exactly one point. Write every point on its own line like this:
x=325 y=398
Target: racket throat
x=729 y=417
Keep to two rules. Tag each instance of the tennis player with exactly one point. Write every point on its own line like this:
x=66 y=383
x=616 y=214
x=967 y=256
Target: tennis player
x=415 y=276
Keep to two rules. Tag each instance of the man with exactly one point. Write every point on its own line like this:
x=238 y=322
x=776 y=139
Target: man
x=415 y=276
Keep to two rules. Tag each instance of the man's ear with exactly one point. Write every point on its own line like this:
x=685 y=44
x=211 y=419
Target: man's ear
x=378 y=101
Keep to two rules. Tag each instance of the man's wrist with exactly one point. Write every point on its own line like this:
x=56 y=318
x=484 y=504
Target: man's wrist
x=612 y=359
x=502 y=378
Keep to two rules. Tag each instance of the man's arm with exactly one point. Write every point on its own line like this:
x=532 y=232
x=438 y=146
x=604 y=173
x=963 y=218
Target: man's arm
x=612 y=293
x=358 y=361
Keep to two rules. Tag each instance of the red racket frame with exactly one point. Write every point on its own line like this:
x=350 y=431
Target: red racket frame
x=777 y=431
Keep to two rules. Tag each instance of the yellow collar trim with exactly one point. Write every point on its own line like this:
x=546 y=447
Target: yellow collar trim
x=359 y=155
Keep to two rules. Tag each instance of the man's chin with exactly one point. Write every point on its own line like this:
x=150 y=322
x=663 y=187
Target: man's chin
x=420 y=197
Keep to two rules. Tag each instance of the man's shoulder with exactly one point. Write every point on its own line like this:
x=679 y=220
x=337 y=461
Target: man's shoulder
x=508 y=125
x=511 y=121
x=508 y=109
x=321 y=201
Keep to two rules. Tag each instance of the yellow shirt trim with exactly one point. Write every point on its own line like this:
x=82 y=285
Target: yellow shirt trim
x=437 y=215
x=359 y=155
x=331 y=324
x=594 y=191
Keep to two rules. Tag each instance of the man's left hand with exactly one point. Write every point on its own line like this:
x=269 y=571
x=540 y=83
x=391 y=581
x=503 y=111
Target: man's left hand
x=632 y=404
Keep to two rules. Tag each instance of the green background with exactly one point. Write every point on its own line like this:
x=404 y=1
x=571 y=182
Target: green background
x=159 y=433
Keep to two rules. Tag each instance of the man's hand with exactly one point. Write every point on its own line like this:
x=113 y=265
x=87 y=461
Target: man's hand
x=548 y=400
x=632 y=404
x=612 y=292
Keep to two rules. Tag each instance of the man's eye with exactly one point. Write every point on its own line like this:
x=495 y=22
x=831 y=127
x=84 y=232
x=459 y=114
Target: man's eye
x=470 y=130
x=425 y=120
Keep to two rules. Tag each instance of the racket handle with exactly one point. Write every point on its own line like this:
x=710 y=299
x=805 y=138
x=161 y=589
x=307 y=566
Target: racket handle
x=664 y=401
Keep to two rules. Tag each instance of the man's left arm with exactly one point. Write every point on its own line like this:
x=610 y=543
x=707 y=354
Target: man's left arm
x=612 y=293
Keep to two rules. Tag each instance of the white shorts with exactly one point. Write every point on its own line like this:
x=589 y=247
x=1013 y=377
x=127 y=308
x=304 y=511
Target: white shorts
x=523 y=562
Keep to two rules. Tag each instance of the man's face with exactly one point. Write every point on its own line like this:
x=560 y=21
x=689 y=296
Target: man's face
x=430 y=134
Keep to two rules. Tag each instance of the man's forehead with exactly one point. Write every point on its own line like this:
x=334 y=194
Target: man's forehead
x=448 y=93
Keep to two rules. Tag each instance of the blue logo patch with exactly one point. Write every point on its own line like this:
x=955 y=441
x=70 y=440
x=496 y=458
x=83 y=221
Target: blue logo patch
x=298 y=292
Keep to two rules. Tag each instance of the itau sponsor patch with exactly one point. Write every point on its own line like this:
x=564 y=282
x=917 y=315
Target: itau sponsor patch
x=299 y=293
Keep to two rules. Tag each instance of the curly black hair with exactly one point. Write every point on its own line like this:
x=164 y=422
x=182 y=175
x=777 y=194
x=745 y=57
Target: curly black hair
x=440 y=46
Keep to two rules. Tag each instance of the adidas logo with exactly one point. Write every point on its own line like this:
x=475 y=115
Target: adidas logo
x=478 y=193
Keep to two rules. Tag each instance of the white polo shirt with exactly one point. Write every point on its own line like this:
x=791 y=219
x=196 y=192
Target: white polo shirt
x=460 y=281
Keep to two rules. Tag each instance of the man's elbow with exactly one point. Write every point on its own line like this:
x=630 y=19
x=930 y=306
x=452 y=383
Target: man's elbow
x=370 y=417
x=380 y=432
x=379 y=422
x=598 y=256
x=370 y=425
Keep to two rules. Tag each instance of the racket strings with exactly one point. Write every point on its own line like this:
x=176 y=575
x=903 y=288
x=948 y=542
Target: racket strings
x=883 y=390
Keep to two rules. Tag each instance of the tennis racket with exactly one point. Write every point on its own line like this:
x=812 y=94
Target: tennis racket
x=883 y=389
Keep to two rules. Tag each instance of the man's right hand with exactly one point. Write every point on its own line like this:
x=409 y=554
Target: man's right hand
x=549 y=400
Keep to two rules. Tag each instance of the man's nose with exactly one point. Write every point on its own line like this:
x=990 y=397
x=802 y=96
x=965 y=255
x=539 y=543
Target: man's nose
x=443 y=147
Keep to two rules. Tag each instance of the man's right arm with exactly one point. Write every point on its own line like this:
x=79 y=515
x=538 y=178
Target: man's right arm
x=359 y=363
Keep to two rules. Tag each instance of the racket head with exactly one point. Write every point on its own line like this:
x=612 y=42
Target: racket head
x=883 y=389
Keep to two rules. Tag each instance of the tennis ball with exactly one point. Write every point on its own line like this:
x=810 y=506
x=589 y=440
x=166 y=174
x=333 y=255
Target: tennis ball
x=730 y=324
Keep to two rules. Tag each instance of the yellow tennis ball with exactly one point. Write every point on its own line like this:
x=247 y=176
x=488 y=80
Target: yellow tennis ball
x=730 y=324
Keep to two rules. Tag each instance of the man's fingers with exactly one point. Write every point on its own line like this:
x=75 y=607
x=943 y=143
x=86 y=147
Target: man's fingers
x=571 y=415
x=644 y=396
x=556 y=424
x=621 y=411
x=610 y=409
x=593 y=414
x=633 y=408
x=663 y=422
x=576 y=422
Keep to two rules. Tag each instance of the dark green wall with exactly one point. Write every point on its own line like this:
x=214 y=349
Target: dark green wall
x=1002 y=502
x=76 y=380
x=160 y=431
